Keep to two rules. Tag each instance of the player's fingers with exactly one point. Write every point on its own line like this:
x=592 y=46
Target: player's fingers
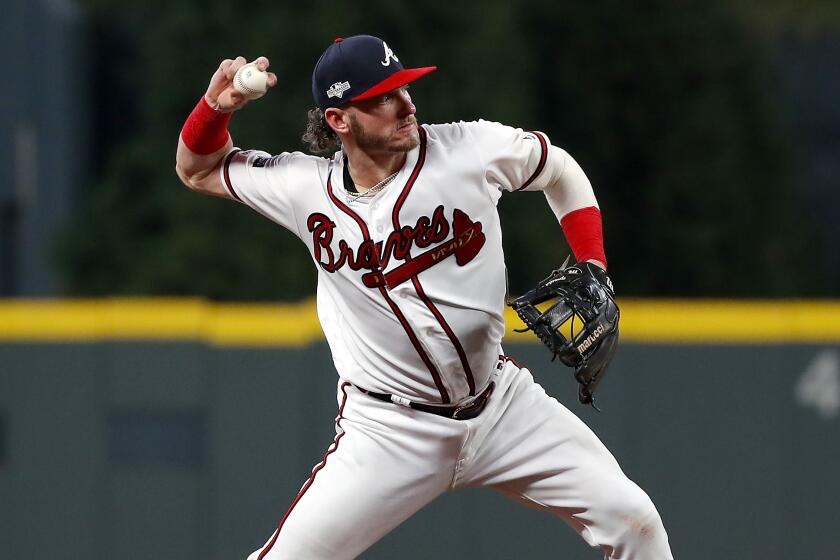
x=223 y=68
x=219 y=81
x=235 y=65
x=262 y=63
x=238 y=101
x=231 y=100
x=272 y=79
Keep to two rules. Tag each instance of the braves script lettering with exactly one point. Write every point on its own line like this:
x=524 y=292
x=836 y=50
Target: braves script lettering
x=372 y=256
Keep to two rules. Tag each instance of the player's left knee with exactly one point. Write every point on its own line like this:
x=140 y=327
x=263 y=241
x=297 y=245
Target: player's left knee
x=641 y=519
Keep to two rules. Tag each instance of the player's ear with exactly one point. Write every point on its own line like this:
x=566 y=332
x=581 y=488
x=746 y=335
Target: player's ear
x=338 y=120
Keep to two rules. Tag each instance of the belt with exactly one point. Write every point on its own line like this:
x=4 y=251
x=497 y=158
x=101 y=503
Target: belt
x=458 y=412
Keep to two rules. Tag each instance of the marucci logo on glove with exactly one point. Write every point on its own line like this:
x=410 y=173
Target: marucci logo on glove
x=590 y=340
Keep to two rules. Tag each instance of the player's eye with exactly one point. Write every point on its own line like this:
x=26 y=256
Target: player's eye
x=386 y=97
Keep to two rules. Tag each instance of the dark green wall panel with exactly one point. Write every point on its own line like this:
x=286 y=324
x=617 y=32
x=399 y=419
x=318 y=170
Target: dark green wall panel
x=738 y=467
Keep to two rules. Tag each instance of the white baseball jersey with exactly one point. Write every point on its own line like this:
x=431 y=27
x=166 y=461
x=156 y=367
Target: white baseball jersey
x=411 y=281
x=411 y=289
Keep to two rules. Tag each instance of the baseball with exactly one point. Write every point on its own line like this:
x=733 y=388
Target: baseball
x=250 y=81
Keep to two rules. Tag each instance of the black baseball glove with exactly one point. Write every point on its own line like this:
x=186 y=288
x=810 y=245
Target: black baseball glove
x=573 y=312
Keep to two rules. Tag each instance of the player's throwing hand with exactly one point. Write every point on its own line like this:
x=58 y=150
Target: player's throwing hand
x=221 y=95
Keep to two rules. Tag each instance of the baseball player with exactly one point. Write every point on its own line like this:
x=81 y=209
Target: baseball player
x=402 y=226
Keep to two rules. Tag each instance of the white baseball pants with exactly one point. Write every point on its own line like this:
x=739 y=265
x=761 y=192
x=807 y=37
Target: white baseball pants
x=388 y=461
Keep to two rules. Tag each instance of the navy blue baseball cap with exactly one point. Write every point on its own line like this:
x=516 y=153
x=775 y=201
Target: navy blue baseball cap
x=357 y=68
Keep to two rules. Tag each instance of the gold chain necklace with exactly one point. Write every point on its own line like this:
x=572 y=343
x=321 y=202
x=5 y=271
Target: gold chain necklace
x=374 y=189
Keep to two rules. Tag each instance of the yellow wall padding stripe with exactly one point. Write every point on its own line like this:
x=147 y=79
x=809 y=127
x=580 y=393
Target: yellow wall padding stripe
x=220 y=324
x=237 y=324
x=777 y=322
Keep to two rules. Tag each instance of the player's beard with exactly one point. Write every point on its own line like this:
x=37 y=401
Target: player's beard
x=384 y=143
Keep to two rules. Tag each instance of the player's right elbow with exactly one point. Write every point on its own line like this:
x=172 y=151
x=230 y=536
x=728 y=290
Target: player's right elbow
x=190 y=180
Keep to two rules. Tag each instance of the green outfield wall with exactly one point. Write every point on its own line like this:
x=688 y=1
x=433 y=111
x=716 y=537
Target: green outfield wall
x=189 y=441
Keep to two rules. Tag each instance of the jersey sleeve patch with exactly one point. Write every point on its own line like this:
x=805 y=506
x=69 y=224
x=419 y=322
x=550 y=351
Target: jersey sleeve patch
x=262 y=161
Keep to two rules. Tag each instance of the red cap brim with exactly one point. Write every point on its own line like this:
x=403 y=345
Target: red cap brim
x=394 y=81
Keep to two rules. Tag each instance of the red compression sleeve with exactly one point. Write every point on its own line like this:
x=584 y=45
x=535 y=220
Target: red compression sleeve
x=584 y=233
x=206 y=129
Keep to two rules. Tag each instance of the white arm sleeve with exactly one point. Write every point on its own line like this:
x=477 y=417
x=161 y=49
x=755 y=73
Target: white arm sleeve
x=567 y=187
x=517 y=160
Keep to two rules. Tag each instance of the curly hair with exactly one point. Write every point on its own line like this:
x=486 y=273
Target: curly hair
x=320 y=138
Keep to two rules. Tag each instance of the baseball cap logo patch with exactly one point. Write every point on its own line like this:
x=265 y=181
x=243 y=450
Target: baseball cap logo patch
x=389 y=54
x=338 y=89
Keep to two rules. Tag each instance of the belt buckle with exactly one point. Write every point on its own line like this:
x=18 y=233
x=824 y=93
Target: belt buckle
x=466 y=408
x=457 y=414
x=476 y=405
